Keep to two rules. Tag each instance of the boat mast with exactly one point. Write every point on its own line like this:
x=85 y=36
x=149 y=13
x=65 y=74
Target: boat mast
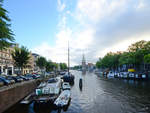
x=68 y=58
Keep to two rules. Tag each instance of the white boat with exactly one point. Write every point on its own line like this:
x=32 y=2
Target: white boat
x=26 y=100
x=110 y=74
x=131 y=75
x=137 y=76
x=63 y=99
x=143 y=76
x=43 y=84
x=66 y=86
x=49 y=92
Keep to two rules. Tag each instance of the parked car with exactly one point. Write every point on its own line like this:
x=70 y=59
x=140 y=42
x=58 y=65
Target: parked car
x=1 y=83
x=62 y=73
x=17 y=78
x=25 y=78
x=12 y=81
x=29 y=77
x=35 y=76
x=6 y=82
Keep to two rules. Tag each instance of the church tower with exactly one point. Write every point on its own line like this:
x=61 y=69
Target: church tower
x=83 y=64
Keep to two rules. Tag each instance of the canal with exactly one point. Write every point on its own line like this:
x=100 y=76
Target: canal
x=100 y=95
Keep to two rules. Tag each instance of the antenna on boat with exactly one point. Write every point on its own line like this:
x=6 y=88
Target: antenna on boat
x=68 y=58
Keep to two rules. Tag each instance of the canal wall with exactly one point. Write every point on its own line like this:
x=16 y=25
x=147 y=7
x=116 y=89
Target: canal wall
x=10 y=95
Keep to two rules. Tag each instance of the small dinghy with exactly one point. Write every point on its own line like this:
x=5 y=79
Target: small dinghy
x=66 y=86
x=27 y=100
x=63 y=99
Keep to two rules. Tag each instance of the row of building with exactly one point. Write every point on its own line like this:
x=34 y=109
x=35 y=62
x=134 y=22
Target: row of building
x=7 y=66
x=88 y=66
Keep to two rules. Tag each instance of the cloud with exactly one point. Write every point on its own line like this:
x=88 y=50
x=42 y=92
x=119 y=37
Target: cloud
x=100 y=26
x=61 y=6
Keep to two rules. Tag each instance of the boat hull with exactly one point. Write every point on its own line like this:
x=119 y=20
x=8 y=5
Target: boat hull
x=63 y=99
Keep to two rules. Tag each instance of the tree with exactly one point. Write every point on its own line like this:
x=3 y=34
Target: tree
x=136 y=57
x=63 y=66
x=6 y=34
x=55 y=65
x=41 y=62
x=21 y=57
x=138 y=51
x=49 y=66
x=137 y=46
x=147 y=59
x=98 y=64
x=77 y=67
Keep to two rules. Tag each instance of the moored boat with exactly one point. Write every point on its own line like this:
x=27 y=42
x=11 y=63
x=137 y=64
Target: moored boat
x=66 y=86
x=68 y=77
x=63 y=99
x=49 y=92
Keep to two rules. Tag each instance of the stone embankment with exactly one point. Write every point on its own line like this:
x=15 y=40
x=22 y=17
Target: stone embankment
x=10 y=95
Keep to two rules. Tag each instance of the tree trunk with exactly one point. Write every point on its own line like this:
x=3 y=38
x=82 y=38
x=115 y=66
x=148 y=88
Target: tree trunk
x=21 y=72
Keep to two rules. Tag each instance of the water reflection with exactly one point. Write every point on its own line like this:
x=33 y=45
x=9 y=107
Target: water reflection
x=101 y=95
x=83 y=72
x=46 y=108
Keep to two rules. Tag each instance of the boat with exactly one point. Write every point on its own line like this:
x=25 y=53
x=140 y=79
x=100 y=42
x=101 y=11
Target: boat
x=110 y=74
x=66 y=86
x=68 y=77
x=27 y=100
x=49 y=92
x=62 y=73
x=131 y=75
x=63 y=99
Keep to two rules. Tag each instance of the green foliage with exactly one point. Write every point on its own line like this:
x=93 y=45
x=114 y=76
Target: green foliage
x=21 y=57
x=55 y=65
x=136 y=55
x=63 y=66
x=98 y=64
x=6 y=34
x=147 y=58
x=49 y=66
x=110 y=60
x=127 y=58
x=138 y=51
x=77 y=67
x=41 y=62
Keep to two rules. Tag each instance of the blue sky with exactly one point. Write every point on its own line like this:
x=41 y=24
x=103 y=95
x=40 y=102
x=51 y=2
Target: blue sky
x=33 y=20
x=93 y=27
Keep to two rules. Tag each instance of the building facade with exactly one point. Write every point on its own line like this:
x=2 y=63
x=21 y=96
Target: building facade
x=6 y=61
x=90 y=67
x=7 y=66
x=35 y=58
x=83 y=63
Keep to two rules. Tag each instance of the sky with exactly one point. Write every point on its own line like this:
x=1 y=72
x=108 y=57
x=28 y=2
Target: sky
x=92 y=27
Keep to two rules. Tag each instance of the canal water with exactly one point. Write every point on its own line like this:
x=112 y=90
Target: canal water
x=100 y=95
